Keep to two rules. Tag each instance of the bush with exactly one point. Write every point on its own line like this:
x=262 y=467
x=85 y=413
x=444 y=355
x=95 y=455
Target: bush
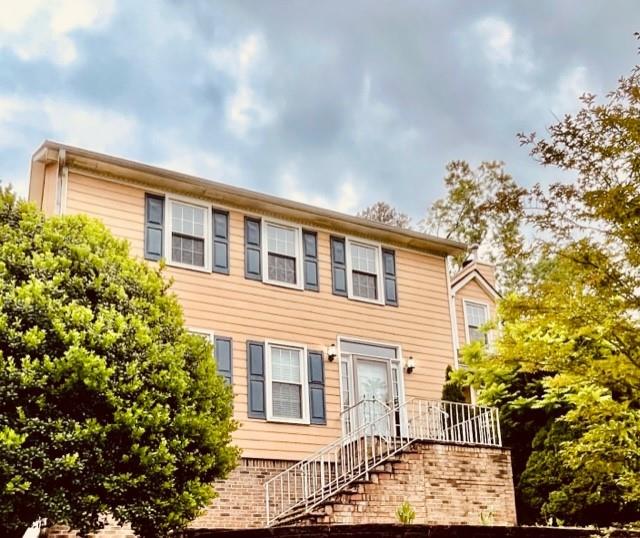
x=107 y=404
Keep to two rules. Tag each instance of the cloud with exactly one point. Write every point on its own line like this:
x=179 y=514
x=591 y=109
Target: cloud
x=507 y=52
x=345 y=199
x=244 y=110
x=353 y=103
x=33 y=29
x=197 y=162
x=570 y=86
x=497 y=37
x=73 y=123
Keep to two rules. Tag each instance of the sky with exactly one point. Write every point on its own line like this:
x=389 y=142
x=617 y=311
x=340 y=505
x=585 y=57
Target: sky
x=333 y=103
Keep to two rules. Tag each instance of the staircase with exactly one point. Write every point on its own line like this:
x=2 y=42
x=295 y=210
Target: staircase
x=375 y=435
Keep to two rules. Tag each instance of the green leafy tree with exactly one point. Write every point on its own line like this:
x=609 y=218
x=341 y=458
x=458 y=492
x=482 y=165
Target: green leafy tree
x=565 y=370
x=107 y=404
x=565 y=373
x=484 y=207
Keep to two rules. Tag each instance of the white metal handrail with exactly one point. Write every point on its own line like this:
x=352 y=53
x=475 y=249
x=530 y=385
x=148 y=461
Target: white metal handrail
x=308 y=483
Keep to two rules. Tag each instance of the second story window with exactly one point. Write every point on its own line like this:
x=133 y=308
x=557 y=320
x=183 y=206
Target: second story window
x=188 y=235
x=364 y=271
x=476 y=315
x=282 y=257
x=363 y=268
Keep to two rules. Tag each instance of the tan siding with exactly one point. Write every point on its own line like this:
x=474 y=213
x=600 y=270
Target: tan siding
x=245 y=310
x=471 y=292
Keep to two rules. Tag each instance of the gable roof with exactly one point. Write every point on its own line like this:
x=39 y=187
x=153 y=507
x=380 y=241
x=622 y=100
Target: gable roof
x=467 y=275
x=109 y=166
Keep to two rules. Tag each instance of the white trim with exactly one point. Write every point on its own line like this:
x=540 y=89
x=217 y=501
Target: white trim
x=475 y=274
x=168 y=231
x=205 y=332
x=264 y=254
x=303 y=379
x=62 y=184
x=452 y=315
x=379 y=280
x=474 y=302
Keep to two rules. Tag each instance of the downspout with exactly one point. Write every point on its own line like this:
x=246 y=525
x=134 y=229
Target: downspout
x=61 y=187
x=452 y=315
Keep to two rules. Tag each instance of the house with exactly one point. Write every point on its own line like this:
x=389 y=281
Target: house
x=335 y=333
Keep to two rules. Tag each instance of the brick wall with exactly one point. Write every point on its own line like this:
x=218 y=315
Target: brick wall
x=240 y=502
x=412 y=531
x=445 y=484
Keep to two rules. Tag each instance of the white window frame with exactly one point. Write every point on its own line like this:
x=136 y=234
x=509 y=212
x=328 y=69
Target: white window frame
x=197 y=331
x=303 y=379
x=299 y=285
x=482 y=304
x=168 y=232
x=379 y=281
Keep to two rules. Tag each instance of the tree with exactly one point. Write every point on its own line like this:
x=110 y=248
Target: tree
x=107 y=404
x=565 y=374
x=452 y=390
x=483 y=206
x=565 y=371
x=382 y=212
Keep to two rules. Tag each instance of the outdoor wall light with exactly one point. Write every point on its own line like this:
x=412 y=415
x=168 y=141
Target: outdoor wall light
x=411 y=365
x=331 y=352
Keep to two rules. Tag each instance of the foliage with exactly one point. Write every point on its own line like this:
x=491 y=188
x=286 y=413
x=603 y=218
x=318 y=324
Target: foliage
x=452 y=390
x=487 y=517
x=107 y=404
x=565 y=373
x=405 y=513
x=484 y=207
x=382 y=212
x=565 y=370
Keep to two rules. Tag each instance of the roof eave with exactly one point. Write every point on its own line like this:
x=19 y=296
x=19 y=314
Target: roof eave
x=161 y=177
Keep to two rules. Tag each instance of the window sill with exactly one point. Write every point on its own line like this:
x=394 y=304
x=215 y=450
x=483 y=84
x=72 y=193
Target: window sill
x=282 y=284
x=187 y=266
x=299 y=422
x=365 y=300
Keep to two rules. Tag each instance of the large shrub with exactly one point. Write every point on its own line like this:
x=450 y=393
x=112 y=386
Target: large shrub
x=107 y=404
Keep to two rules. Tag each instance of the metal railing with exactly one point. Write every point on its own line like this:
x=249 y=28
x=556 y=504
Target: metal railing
x=376 y=433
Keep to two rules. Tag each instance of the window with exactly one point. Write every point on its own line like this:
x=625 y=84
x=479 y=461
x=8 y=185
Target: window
x=282 y=254
x=222 y=351
x=476 y=315
x=188 y=234
x=364 y=269
x=287 y=383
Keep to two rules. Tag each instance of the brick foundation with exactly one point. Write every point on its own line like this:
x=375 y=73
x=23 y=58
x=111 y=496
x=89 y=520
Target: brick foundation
x=446 y=485
x=240 y=503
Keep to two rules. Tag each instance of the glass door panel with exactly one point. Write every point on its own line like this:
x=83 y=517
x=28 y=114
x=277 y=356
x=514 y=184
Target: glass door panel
x=373 y=386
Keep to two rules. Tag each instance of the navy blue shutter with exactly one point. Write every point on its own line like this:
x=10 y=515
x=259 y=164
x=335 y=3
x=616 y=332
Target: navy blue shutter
x=317 y=407
x=310 y=246
x=338 y=266
x=390 y=284
x=252 y=253
x=255 y=374
x=220 y=241
x=153 y=226
x=224 y=357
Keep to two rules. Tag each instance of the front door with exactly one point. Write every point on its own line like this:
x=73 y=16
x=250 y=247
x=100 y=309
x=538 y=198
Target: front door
x=371 y=385
x=373 y=389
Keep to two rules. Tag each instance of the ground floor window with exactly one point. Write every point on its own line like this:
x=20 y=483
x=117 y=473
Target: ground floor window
x=287 y=390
